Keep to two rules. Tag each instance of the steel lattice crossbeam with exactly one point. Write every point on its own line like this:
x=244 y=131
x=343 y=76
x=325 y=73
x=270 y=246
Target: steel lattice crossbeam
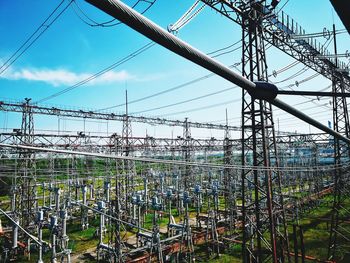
x=279 y=30
x=18 y=107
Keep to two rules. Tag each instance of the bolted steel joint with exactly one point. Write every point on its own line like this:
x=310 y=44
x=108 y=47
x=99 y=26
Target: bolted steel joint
x=264 y=91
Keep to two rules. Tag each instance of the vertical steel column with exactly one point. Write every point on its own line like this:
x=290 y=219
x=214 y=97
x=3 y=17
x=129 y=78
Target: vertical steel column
x=262 y=201
x=129 y=165
x=26 y=199
x=117 y=236
x=341 y=151
x=115 y=208
x=187 y=153
x=229 y=184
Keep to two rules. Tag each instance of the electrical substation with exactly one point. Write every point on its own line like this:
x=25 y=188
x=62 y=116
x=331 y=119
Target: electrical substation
x=247 y=190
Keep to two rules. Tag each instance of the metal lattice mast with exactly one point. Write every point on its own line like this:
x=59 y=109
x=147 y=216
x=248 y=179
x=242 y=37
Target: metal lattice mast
x=115 y=207
x=341 y=151
x=262 y=203
x=229 y=181
x=118 y=256
x=26 y=198
x=129 y=165
x=187 y=153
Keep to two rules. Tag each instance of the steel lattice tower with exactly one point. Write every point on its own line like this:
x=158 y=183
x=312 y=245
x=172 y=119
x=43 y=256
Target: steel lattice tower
x=26 y=200
x=187 y=153
x=229 y=182
x=341 y=151
x=115 y=208
x=264 y=227
x=129 y=165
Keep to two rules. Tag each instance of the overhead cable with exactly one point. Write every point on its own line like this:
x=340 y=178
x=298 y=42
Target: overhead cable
x=35 y=36
x=201 y=108
x=185 y=101
x=186 y=18
x=103 y=71
x=85 y=18
x=171 y=162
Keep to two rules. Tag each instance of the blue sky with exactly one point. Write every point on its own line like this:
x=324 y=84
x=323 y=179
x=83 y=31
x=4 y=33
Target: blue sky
x=70 y=51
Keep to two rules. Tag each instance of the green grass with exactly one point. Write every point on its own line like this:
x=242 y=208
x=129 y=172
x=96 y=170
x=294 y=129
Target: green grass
x=315 y=224
x=231 y=254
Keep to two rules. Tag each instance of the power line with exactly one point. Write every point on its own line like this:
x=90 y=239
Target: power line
x=187 y=17
x=280 y=9
x=85 y=18
x=224 y=48
x=201 y=108
x=325 y=33
x=186 y=84
x=173 y=162
x=159 y=93
x=76 y=8
x=207 y=95
x=312 y=100
x=235 y=65
x=165 y=91
x=277 y=116
x=305 y=109
x=227 y=52
x=185 y=101
x=141 y=50
x=103 y=71
x=294 y=75
x=289 y=66
x=34 y=36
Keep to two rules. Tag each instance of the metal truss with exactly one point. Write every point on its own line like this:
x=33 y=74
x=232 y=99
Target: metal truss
x=25 y=182
x=341 y=153
x=85 y=114
x=129 y=165
x=149 y=144
x=279 y=30
x=265 y=236
x=187 y=153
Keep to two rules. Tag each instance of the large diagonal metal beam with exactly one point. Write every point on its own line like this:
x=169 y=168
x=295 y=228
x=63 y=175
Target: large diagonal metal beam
x=141 y=24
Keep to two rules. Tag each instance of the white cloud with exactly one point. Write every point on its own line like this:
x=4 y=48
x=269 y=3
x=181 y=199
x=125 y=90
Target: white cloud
x=151 y=77
x=63 y=77
x=113 y=76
